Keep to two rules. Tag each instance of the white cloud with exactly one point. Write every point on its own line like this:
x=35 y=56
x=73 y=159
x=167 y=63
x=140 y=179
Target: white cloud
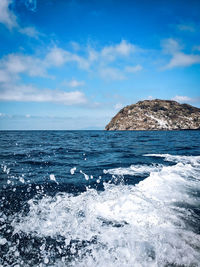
x=186 y=27
x=12 y=89
x=12 y=67
x=118 y=106
x=112 y=74
x=179 y=58
x=122 y=53
x=28 y=93
x=30 y=31
x=170 y=46
x=133 y=69
x=75 y=46
x=181 y=99
x=92 y=55
x=5 y=76
x=15 y=64
x=196 y=47
x=56 y=57
x=7 y=17
x=75 y=83
x=82 y=62
x=124 y=48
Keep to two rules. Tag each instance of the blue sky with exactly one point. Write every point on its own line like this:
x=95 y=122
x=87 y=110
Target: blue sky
x=74 y=64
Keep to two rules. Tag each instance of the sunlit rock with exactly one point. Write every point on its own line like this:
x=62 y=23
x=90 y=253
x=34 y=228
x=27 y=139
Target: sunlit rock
x=156 y=115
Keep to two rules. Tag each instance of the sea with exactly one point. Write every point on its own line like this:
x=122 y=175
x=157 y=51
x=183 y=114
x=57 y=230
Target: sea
x=100 y=198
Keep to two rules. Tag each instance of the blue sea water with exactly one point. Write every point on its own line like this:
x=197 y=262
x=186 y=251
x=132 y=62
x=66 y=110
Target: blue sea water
x=98 y=198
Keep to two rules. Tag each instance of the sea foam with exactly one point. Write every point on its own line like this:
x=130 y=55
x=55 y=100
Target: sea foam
x=149 y=224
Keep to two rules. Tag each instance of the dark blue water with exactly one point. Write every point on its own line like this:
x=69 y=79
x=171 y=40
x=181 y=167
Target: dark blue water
x=97 y=198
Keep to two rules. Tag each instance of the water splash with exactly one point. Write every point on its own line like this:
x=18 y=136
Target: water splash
x=150 y=224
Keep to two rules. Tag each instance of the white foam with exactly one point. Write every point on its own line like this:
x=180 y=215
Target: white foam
x=72 y=170
x=85 y=175
x=143 y=225
x=135 y=170
x=195 y=160
x=21 y=179
x=6 y=169
x=53 y=178
x=3 y=241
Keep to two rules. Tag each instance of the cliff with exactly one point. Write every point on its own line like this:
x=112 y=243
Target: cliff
x=156 y=115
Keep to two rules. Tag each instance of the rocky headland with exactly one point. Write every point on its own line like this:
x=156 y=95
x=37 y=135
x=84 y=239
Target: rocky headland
x=156 y=115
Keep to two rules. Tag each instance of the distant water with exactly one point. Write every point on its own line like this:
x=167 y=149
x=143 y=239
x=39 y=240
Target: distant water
x=97 y=198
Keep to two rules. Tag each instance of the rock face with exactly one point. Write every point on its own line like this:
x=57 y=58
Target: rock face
x=156 y=115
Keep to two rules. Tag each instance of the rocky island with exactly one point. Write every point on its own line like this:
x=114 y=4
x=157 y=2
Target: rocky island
x=156 y=115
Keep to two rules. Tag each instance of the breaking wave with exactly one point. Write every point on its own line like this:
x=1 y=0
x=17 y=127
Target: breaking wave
x=152 y=223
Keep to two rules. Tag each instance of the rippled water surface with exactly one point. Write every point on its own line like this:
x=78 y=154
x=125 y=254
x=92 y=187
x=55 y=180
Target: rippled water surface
x=96 y=198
